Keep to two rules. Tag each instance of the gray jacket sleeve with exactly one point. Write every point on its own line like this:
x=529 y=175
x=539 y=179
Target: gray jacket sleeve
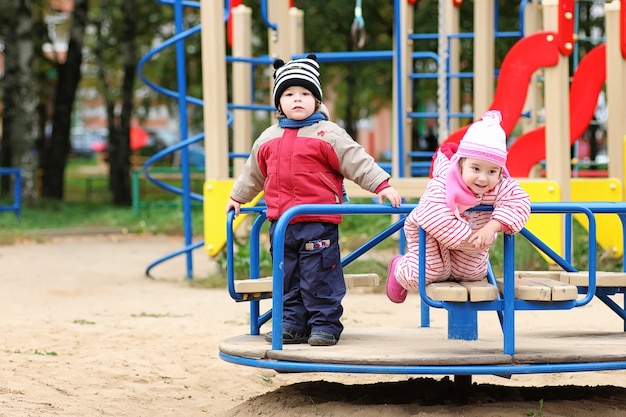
x=251 y=180
x=356 y=164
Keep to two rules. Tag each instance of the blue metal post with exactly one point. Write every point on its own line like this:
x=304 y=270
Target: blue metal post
x=181 y=76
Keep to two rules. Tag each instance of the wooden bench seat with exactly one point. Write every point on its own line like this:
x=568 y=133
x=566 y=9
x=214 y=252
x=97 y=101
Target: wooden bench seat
x=264 y=285
x=529 y=286
x=555 y=275
x=603 y=279
x=541 y=289
x=462 y=291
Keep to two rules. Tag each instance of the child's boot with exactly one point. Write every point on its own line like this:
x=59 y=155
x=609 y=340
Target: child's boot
x=395 y=291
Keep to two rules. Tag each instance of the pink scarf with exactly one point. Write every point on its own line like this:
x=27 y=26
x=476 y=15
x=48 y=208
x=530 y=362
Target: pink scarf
x=458 y=195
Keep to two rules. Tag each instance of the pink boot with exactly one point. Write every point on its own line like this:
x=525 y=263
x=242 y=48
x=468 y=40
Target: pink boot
x=395 y=291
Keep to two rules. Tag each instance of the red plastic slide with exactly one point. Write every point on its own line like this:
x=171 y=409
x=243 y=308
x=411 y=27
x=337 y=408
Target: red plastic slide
x=530 y=148
x=525 y=57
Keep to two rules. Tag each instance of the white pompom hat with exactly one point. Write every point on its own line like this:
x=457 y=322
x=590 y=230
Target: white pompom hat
x=485 y=139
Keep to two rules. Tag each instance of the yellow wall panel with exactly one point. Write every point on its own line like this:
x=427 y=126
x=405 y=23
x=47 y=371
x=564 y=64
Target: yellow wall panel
x=216 y=195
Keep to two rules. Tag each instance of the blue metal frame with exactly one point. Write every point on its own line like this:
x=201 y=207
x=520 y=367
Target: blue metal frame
x=502 y=370
x=257 y=319
x=178 y=41
x=16 y=205
x=462 y=325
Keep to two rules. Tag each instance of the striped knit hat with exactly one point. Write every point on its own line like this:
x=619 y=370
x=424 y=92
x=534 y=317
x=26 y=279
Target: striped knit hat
x=485 y=139
x=303 y=72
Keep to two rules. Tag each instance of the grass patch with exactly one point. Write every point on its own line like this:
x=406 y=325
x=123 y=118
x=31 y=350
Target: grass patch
x=84 y=322
x=45 y=353
x=46 y=216
x=88 y=206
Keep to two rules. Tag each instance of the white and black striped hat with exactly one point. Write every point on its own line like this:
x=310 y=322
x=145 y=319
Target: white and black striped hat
x=303 y=72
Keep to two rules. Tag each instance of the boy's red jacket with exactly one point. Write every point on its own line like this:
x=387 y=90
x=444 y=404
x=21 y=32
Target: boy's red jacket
x=306 y=166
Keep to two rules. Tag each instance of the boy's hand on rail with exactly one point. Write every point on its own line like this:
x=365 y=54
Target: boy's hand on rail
x=390 y=194
x=233 y=205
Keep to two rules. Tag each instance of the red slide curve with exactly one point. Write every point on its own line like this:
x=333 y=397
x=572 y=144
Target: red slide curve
x=530 y=148
x=525 y=57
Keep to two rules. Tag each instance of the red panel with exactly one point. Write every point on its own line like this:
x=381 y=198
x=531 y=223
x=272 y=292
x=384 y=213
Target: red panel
x=229 y=23
x=526 y=151
x=586 y=85
x=566 y=27
x=530 y=148
x=622 y=28
x=525 y=57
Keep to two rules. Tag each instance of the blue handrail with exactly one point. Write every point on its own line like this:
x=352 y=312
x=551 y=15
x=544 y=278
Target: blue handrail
x=506 y=306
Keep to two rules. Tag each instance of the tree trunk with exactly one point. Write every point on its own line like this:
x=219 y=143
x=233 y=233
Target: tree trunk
x=56 y=150
x=20 y=95
x=120 y=152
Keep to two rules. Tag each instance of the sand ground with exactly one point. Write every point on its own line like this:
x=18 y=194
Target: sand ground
x=85 y=333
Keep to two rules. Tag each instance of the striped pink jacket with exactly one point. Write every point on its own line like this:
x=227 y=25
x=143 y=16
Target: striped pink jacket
x=447 y=254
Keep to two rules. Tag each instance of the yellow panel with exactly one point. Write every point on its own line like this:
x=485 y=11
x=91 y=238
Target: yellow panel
x=608 y=226
x=547 y=227
x=216 y=195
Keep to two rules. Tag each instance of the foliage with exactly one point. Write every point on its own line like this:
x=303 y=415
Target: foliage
x=355 y=231
x=49 y=217
x=334 y=35
x=242 y=261
x=361 y=88
x=154 y=25
x=88 y=207
x=526 y=257
x=537 y=413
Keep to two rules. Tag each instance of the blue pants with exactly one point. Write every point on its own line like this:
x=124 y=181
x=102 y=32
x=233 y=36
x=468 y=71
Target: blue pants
x=314 y=285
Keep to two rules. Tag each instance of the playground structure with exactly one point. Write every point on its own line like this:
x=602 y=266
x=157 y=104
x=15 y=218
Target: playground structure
x=517 y=92
x=546 y=41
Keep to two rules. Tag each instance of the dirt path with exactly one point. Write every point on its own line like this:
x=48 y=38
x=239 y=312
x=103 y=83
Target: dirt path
x=85 y=333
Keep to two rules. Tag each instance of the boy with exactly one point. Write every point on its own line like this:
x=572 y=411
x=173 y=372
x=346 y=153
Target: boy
x=303 y=160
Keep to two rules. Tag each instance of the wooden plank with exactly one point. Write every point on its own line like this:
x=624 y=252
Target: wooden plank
x=555 y=275
x=541 y=289
x=253 y=285
x=264 y=285
x=447 y=291
x=361 y=280
x=580 y=279
x=527 y=290
x=603 y=278
x=480 y=290
x=561 y=291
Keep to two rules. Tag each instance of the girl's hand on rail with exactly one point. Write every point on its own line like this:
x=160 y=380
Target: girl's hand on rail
x=483 y=238
x=233 y=205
